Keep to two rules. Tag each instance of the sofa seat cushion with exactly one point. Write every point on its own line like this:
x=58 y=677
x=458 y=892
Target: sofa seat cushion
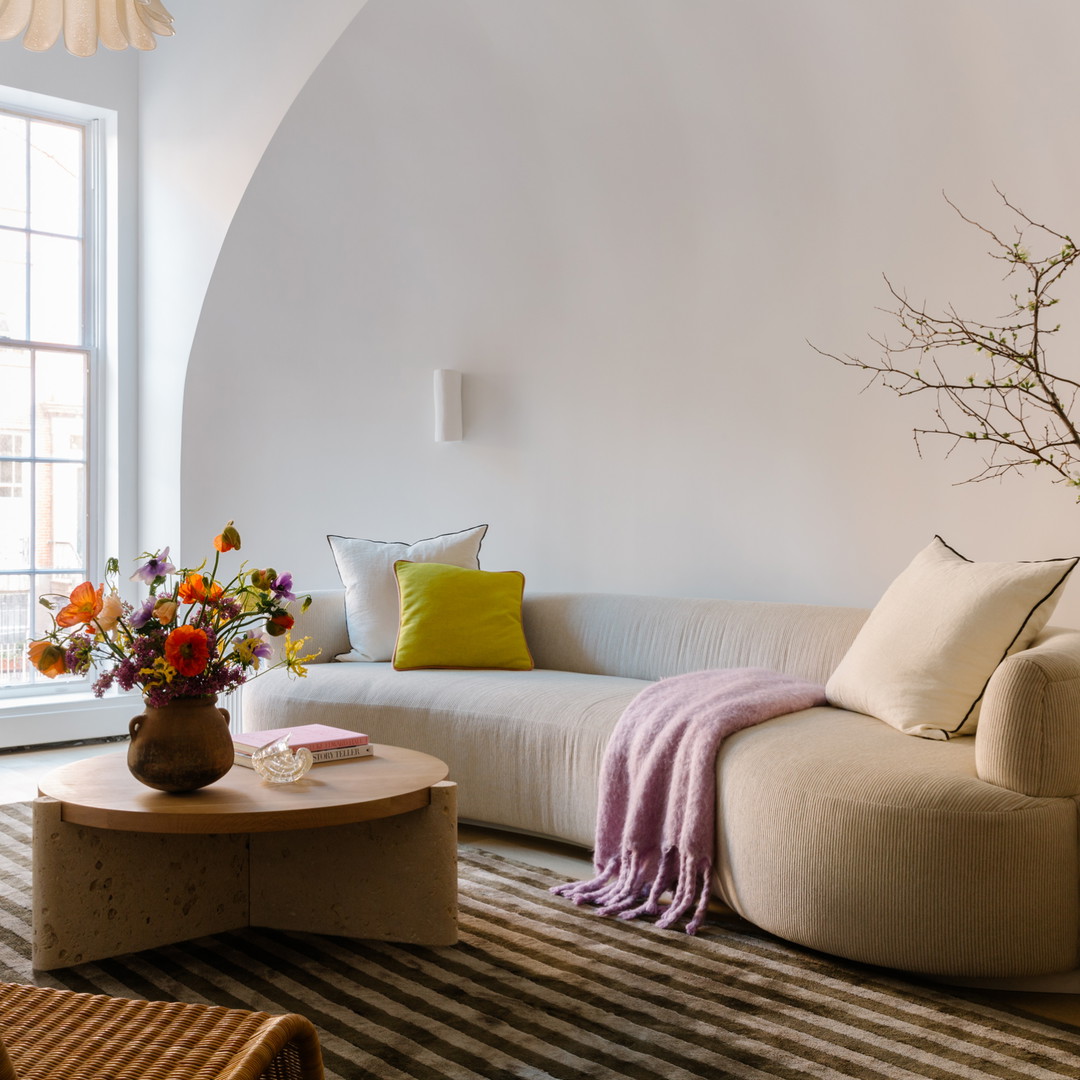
x=846 y=835
x=524 y=747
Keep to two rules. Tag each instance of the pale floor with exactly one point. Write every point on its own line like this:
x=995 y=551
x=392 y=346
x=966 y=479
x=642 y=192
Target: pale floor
x=20 y=770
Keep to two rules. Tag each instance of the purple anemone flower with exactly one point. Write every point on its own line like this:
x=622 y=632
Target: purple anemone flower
x=281 y=587
x=142 y=615
x=264 y=650
x=157 y=566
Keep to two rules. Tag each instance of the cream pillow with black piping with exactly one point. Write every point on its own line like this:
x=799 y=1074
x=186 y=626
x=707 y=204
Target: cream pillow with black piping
x=924 y=656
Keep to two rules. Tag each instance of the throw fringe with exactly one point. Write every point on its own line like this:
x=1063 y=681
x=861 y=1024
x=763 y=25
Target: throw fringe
x=631 y=886
x=656 y=820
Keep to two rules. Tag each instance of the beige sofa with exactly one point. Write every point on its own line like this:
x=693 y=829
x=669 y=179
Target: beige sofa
x=835 y=830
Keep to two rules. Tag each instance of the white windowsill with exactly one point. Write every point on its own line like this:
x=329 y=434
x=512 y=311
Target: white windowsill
x=70 y=717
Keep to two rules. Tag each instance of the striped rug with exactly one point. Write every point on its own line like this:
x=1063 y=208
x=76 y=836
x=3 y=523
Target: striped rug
x=539 y=989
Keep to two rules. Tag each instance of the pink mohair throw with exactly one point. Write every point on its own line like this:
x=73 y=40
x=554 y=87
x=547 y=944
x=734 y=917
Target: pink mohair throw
x=656 y=827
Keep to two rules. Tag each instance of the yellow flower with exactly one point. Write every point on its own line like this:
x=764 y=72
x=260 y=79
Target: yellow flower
x=159 y=672
x=294 y=662
x=252 y=650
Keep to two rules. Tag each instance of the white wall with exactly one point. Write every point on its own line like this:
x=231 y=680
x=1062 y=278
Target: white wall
x=622 y=219
x=109 y=80
x=210 y=99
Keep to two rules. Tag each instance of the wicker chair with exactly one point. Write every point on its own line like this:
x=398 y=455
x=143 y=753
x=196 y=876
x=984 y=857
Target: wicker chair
x=60 y=1035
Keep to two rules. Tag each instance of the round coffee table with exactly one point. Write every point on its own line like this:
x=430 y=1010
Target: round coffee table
x=364 y=848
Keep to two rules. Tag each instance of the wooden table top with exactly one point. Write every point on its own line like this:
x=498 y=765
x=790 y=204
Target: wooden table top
x=102 y=793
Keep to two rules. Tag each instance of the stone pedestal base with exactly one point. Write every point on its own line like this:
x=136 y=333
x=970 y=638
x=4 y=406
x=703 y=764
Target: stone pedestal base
x=103 y=892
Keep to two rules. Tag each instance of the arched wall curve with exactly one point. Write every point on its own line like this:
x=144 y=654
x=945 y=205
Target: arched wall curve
x=210 y=99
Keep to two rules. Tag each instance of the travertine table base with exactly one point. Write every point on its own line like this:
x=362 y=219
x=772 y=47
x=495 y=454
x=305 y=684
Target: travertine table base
x=362 y=854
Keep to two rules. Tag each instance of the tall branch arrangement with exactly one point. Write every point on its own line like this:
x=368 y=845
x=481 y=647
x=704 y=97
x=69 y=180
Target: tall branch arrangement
x=991 y=383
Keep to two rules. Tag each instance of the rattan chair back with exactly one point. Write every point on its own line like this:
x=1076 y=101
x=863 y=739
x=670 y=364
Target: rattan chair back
x=61 y=1035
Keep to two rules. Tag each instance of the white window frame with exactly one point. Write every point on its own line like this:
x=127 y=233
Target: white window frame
x=42 y=714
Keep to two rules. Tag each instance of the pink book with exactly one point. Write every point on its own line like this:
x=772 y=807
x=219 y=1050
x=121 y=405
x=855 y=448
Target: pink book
x=313 y=736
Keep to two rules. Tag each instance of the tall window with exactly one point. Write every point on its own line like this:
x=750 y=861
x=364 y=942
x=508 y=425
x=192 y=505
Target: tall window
x=47 y=371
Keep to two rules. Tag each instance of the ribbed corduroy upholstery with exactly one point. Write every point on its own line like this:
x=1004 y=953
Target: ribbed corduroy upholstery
x=651 y=637
x=835 y=830
x=1029 y=730
x=854 y=838
x=524 y=747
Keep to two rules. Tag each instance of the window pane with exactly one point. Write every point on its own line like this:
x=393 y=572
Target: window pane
x=15 y=607
x=60 y=497
x=12 y=284
x=15 y=393
x=12 y=171
x=60 y=430
x=56 y=178
x=14 y=502
x=14 y=515
x=46 y=372
x=55 y=290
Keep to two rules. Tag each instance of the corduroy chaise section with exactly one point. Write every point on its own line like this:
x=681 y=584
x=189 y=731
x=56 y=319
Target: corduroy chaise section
x=858 y=839
x=835 y=830
x=60 y=1035
x=1029 y=732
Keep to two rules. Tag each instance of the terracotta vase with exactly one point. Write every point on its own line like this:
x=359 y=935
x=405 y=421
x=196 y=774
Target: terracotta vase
x=181 y=746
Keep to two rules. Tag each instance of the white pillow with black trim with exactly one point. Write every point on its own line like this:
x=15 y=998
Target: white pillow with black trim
x=366 y=568
x=923 y=658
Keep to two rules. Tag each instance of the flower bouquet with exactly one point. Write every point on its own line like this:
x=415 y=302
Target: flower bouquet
x=192 y=637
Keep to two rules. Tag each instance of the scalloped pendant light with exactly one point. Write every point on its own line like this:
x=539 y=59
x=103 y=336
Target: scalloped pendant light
x=115 y=23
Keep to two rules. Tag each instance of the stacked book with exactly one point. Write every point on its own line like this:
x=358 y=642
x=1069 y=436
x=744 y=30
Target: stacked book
x=325 y=743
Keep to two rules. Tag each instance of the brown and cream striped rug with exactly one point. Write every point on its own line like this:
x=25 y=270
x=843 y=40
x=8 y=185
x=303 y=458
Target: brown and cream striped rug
x=539 y=989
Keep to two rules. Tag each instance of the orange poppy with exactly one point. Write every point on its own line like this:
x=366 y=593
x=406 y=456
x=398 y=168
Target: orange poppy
x=277 y=624
x=228 y=539
x=86 y=602
x=187 y=650
x=193 y=590
x=48 y=658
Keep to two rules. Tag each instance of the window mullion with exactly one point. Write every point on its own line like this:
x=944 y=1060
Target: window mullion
x=32 y=470
x=28 y=277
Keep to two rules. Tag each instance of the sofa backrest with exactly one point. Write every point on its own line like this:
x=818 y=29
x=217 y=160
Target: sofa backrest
x=651 y=637
x=323 y=624
x=1028 y=738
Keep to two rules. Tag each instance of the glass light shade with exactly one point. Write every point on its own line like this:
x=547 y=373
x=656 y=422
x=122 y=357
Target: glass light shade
x=115 y=23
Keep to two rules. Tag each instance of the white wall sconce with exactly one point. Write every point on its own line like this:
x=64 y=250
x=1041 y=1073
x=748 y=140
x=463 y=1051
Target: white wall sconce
x=447 y=405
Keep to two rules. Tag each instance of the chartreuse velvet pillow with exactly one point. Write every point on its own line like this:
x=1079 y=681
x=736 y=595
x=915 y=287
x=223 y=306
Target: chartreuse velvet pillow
x=452 y=617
